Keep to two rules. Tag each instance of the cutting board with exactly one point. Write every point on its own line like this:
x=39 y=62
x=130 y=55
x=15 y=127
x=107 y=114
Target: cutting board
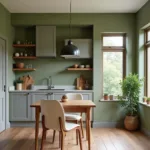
x=27 y=82
x=81 y=83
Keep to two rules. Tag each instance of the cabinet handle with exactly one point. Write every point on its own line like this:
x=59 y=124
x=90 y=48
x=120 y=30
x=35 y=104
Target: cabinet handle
x=50 y=93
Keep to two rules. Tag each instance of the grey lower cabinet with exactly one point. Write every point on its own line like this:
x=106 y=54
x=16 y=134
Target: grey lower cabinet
x=19 y=107
x=45 y=41
x=36 y=97
x=58 y=96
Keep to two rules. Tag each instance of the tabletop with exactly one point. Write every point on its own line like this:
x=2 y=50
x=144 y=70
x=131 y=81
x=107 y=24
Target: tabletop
x=70 y=103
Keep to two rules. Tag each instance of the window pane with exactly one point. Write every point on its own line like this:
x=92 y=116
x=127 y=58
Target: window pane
x=148 y=71
x=112 y=72
x=148 y=35
x=113 y=41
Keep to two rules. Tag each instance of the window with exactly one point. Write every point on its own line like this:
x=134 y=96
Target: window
x=114 y=61
x=147 y=62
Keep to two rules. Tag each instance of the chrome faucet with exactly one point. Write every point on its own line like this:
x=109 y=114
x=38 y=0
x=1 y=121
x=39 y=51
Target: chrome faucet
x=50 y=86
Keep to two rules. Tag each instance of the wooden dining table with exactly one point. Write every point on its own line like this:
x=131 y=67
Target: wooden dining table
x=83 y=106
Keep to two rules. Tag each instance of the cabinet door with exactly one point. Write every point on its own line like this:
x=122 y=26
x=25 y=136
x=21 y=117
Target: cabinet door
x=57 y=96
x=46 y=41
x=36 y=97
x=87 y=96
x=84 y=45
x=20 y=107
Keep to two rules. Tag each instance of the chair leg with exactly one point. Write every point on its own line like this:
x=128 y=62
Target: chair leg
x=62 y=141
x=80 y=140
x=81 y=123
x=43 y=138
x=59 y=139
x=45 y=134
x=77 y=136
x=54 y=132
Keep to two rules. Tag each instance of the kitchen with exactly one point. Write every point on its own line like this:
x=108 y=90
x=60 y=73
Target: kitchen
x=34 y=41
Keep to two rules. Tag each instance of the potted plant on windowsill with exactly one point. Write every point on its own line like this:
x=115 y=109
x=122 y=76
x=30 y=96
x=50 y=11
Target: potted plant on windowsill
x=106 y=96
x=131 y=89
x=144 y=99
x=148 y=101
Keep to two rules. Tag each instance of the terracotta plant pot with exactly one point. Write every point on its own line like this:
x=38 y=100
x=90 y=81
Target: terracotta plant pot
x=148 y=102
x=144 y=100
x=20 y=65
x=106 y=97
x=131 y=123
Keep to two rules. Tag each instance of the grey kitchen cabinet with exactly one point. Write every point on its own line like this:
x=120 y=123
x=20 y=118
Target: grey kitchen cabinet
x=84 y=45
x=20 y=107
x=57 y=96
x=45 y=41
x=39 y=96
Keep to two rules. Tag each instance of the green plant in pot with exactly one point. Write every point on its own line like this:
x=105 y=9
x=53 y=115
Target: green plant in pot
x=144 y=99
x=148 y=100
x=19 y=84
x=106 y=96
x=131 y=90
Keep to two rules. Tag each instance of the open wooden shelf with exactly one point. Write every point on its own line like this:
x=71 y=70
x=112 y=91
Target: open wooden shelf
x=24 y=45
x=24 y=69
x=74 y=69
x=28 y=57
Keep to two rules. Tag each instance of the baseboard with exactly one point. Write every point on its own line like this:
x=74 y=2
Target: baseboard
x=145 y=131
x=23 y=124
x=107 y=124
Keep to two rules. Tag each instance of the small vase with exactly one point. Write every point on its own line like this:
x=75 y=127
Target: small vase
x=148 y=102
x=111 y=97
x=19 y=86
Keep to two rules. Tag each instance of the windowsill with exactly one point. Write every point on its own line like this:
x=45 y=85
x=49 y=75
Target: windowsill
x=115 y=100
x=145 y=104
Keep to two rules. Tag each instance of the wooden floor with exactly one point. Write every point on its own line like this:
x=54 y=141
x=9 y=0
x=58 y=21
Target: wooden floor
x=103 y=139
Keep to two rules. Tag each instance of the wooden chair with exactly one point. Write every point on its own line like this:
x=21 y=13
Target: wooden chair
x=75 y=117
x=53 y=118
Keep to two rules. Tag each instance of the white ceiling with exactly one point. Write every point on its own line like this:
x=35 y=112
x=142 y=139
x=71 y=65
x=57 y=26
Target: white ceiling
x=78 y=6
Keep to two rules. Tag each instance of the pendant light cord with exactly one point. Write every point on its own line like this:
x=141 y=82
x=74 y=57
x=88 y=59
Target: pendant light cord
x=70 y=22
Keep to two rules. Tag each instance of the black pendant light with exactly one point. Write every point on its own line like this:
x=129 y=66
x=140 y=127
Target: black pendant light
x=70 y=50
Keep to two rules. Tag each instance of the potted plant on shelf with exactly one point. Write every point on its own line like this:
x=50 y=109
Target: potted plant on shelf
x=148 y=101
x=131 y=89
x=106 y=96
x=19 y=85
x=144 y=99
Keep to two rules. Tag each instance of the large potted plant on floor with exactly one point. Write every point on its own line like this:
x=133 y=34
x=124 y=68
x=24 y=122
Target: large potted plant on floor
x=131 y=90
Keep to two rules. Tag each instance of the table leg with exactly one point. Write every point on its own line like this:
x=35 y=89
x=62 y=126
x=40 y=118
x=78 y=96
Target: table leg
x=37 y=117
x=88 y=120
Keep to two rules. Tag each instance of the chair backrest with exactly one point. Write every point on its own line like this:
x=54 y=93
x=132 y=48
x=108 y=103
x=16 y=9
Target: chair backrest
x=52 y=110
x=74 y=96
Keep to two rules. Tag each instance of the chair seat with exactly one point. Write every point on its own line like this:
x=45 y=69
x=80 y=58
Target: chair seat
x=72 y=117
x=70 y=126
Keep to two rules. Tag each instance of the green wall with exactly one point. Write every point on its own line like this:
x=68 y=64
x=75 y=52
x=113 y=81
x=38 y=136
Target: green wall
x=143 y=20
x=6 y=32
x=56 y=67
x=101 y=23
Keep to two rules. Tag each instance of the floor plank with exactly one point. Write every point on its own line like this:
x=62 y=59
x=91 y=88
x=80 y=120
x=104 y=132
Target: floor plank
x=103 y=139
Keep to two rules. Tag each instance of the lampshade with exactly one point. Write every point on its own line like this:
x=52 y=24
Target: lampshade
x=70 y=50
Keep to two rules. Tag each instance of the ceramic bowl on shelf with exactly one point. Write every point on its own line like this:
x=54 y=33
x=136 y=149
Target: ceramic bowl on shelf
x=76 y=65
x=20 y=65
x=87 y=66
x=81 y=66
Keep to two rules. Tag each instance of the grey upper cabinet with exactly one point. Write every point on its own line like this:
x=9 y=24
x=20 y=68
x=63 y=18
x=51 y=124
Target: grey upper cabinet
x=45 y=41
x=20 y=107
x=84 y=45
